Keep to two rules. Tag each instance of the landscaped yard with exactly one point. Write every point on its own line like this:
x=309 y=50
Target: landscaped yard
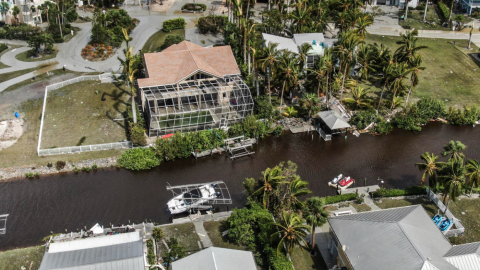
x=304 y=261
x=22 y=258
x=85 y=113
x=467 y=210
x=361 y=207
x=214 y=230
x=157 y=39
x=428 y=205
x=24 y=56
x=185 y=234
x=415 y=19
x=11 y=75
x=450 y=74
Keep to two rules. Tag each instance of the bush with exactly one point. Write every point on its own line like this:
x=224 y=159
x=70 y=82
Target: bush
x=444 y=12
x=157 y=234
x=138 y=159
x=415 y=190
x=249 y=127
x=419 y=114
x=150 y=252
x=29 y=175
x=420 y=7
x=176 y=251
x=137 y=134
x=278 y=131
x=340 y=198
x=49 y=164
x=365 y=118
x=467 y=116
x=94 y=166
x=263 y=108
x=86 y=169
x=60 y=165
x=212 y=24
x=3 y=47
x=170 y=39
x=21 y=31
x=194 y=7
x=173 y=24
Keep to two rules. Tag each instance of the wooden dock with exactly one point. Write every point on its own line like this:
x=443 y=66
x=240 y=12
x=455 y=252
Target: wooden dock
x=359 y=190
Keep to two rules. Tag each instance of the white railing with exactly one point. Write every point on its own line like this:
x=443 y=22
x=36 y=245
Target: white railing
x=459 y=229
x=82 y=148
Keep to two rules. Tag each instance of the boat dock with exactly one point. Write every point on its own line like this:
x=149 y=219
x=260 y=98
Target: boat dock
x=238 y=147
x=359 y=190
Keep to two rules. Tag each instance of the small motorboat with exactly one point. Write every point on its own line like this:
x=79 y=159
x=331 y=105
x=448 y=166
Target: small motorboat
x=437 y=219
x=347 y=181
x=445 y=225
x=193 y=198
x=336 y=179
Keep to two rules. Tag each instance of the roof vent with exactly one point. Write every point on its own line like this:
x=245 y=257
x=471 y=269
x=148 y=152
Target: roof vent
x=429 y=259
x=344 y=247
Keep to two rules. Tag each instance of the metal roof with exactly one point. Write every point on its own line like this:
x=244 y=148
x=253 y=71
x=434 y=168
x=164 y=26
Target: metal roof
x=333 y=120
x=400 y=238
x=99 y=241
x=283 y=43
x=465 y=257
x=465 y=249
x=299 y=39
x=215 y=258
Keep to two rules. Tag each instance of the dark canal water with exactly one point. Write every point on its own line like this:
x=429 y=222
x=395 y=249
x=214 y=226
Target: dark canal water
x=70 y=201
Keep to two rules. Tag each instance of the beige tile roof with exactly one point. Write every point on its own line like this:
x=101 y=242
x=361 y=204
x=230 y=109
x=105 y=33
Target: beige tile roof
x=181 y=60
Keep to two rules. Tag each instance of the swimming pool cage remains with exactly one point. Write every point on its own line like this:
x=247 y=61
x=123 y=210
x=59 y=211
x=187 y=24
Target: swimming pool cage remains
x=195 y=105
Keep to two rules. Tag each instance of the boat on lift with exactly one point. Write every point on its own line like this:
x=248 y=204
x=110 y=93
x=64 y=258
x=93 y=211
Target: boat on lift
x=346 y=182
x=335 y=181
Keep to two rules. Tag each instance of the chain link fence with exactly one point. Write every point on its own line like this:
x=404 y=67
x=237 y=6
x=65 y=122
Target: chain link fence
x=459 y=229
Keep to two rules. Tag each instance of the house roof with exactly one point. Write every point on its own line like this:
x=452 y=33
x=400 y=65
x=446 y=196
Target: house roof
x=299 y=39
x=182 y=60
x=292 y=44
x=333 y=120
x=107 y=254
x=465 y=249
x=215 y=258
x=400 y=238
x=465 y=257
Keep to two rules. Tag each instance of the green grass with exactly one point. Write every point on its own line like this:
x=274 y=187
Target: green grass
x=415 y=19
x=157 y=39
x=361 y=207
x=214 y=230
x=24 y=56
x=185 y=234
x=429 y=206
x=470 y=219
x=11 y=75
x=304 y=261
x=77 y=111
x=29 y=258
x=450 y=75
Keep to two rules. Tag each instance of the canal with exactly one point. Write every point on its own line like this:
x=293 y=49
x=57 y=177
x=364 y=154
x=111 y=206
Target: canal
x=111 y=196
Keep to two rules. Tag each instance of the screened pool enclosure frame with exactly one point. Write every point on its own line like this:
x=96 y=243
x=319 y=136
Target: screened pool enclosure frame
x=196 y=105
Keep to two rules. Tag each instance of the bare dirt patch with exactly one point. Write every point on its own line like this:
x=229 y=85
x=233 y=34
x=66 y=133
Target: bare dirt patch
x=10 y=131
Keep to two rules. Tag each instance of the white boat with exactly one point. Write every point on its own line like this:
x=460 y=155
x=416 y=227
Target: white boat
x=198 y=196
x=336 y=179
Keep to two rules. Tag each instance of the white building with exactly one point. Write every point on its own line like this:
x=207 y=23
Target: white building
x=26 y=15
x=396 y=3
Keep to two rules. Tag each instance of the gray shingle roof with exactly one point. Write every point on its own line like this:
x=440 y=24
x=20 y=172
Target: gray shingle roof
x=400 y=238
x=465 y=249
x=215 y=258
x=333 y=120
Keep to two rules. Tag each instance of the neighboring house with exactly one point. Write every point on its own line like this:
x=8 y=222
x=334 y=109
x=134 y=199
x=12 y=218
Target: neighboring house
x=317 y=40
x=402 y=238
x=122 y=251
x=26 y=15
x=470 y=5
x=396 y=3
x=215 y=258
x=189 y=87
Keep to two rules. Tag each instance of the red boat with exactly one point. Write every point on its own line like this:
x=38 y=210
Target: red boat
x=346 y=181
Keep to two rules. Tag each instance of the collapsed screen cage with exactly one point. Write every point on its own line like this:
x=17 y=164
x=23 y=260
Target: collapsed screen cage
x=196 y=105
x=222 y=194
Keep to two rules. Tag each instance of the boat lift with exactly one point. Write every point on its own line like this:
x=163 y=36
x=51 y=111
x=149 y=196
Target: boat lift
x=3 y=224
x=221 y=189
x=237 y=147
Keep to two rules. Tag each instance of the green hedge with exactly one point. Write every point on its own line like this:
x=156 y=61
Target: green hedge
x=194 y=7
x=173 y=24
x=416 y=190
x=444 y=12
x=3 y=47
x=138 y=159
x=340 y=198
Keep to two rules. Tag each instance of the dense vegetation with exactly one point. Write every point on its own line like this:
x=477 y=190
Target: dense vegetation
x=211 y=24
x=384 y=192
x=173 y=24
x=170 y=39
x=107 y=28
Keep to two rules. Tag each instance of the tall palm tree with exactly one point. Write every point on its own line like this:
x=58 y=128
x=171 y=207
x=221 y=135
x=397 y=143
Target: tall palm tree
x=130 y=64
x=473 y=172
x=359 y=98
x=416 y=66
x=288 y=69
x=345 y=51
x=310 y=103
x=292 y=232
x=454 y=150
x=453 y=180
x=429 y=167
x=296 y=188
x=272 y=178
x=388 y=67
x=329 y=68
x=300 y=17
x=363 y=21
x=315 y=215
x=408 y=46
x=267 y=62
x=318 y=72
x=303 y=55
x=400 y=72
x=366 y=58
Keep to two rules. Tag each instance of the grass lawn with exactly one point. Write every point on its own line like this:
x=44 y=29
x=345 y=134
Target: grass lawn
x=157 y=39
x=29 y=258
x=185 y=234
x=24 y=56
x=76 y=115
x=361 y=207
x=470 y=219
x=214 y=230
x=11 y=75
x=450 y=74
x=429 y=206
x=304 y=261
x=415 y=19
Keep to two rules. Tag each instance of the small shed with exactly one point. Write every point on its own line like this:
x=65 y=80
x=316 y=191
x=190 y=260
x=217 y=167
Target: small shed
x=329 y=123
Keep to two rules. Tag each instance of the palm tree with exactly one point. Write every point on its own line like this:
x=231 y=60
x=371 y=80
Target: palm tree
x=288 y=70
x=129 y=70
x=296 y=188
x=345 y=50
x=15 y=12
x=303 y=54
x=290 y=112
x=359 y=98
x=406 y=9
x=272 y=178
x=429 y=168
x=267 y=62
x=4 y=7
x=315 y=215
x=364 y=21
x=318 y=72
x=415 y=64
x=408 y=46
x=400 y=72
x=310 y=103
x=300 y=17
x=454 y=150
x=473 y=172
x=366 y=58
x=292 y=232
x=453 y=180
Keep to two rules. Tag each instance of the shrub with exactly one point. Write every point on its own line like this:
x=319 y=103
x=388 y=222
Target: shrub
x=49 y=164
x=75 y=169
x=170 y=39
x=150 y=253
x=60 y=165
x=415 y=190
x=176 y=251
x=212 y=24
x=444 y=12
x=157 y=234
x=137 y=134
x=29 y=175
x=86 y=169
x=420 y=7
x=365 y=118
x=94 y=166
x=263 y=108
x=173 y=24
x=419 y=114
x=467 y=116
x=138 y=159
x=340 y=198
x=3 y=47
x=194 y=7
x=278 y=131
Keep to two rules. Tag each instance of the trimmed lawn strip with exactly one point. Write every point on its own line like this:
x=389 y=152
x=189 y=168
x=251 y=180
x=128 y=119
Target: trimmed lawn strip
x=185 y=234
x=11 y=75
x=470 y=219
x=77 y=115
x=29 y=258
x=214 y=230
x=25 y=58
x=304 y=261
x=450 y=74
x=428 y=205
x=156 y=40
x=361 y=207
